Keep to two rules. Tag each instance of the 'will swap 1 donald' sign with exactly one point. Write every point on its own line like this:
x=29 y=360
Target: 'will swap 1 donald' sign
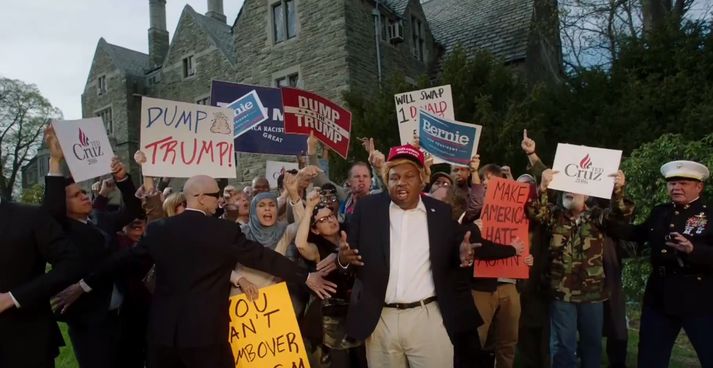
x=181 y=139
x=451 y=141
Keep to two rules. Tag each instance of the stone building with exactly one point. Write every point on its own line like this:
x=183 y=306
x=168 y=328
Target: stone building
x=323 y=46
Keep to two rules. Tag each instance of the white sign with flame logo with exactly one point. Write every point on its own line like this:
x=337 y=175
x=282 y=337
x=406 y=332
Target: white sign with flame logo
x=585 y=170
x=86 y=147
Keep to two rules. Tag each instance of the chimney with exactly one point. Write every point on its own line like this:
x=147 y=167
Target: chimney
x=158 y=35
x=215 y=10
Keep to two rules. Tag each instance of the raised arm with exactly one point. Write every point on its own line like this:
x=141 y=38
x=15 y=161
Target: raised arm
x=308 y=250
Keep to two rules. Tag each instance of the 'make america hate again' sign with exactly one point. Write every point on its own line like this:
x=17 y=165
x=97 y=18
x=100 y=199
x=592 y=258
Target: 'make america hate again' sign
x=504 y=221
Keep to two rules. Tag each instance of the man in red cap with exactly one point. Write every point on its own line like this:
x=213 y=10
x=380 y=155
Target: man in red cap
x=411 y=300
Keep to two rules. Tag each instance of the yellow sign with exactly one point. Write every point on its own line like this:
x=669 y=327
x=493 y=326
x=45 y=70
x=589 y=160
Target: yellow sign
x=264 y=333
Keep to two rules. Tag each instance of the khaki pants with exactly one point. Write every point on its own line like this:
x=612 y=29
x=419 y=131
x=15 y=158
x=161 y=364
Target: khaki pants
x=500 y=311
x=414 y=337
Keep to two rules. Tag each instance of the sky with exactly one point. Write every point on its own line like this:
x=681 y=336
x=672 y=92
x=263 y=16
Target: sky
x=51 y=43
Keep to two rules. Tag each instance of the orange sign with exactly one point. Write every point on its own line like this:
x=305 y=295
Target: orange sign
x=504 y=221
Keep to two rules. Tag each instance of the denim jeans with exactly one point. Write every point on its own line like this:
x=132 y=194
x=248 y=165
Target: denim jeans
x=566 y=319
x=659 y=331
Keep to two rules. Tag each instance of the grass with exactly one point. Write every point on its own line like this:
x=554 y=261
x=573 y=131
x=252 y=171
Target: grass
x=683 y=355
x=66 y=353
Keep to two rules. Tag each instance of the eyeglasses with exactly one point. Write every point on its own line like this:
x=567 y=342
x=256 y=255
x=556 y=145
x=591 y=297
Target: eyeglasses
x=329 y=217
x=215 y=195
x=442 y=183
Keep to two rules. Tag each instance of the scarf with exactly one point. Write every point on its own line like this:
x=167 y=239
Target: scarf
x=268 y=236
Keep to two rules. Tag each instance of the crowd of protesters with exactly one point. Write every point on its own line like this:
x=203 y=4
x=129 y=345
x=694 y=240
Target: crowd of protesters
x=379 y=269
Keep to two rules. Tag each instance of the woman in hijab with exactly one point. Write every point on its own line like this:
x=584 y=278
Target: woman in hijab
x=264 y=228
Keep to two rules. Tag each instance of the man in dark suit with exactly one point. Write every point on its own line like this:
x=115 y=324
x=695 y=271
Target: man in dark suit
x=194 y=254
x=90 y=308
x=411 y=301
x=29 y=336
x=679 y=292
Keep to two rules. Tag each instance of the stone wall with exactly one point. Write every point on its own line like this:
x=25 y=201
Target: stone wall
x=317 y=53
x=396 y=58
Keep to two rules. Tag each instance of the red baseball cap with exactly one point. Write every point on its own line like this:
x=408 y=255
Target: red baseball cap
x=408 y=152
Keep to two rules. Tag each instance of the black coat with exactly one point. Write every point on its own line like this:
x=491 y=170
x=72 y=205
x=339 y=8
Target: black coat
x=31 y=239
x=680 y=284
x=194 y=255
x=95 y=242
x=369 y=232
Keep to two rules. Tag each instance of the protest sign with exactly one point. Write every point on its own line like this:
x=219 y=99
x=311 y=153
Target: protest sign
x=273 y=169
x=451 y=141
x=268 y=136
x=307 y=112
x=437 y=101
x=86 y=147
x=585 y=170
x=264 y=333
x=249 y=112
x=181 y=140
x=504 y=220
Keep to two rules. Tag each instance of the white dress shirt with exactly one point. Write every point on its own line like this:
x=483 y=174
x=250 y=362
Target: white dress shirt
x=410 y=276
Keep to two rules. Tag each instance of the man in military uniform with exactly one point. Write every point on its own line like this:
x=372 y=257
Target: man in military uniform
x=679 y=293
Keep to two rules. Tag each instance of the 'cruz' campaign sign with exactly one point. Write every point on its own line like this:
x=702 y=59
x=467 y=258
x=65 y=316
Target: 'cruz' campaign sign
x=451 y=141
x=306 y=112
x=268 y=136
x=85 y=146
x=585 y=170
x=181 y=139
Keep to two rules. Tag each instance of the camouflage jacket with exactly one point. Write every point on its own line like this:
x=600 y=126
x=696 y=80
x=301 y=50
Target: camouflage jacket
x=576 y=249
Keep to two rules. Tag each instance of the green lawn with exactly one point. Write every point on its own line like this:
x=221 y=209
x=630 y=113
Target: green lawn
x=66 y=353
x=683 y=354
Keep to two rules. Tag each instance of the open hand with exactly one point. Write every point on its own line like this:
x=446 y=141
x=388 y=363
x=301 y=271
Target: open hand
x=347 y=255
x=467 y=253
x=66 y=298
x=320 y=286
x=327 y=265
x=53 y=143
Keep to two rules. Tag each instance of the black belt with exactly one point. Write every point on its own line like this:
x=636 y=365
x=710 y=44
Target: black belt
x=410 y=305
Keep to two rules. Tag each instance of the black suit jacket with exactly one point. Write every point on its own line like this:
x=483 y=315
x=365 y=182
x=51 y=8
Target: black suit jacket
x=194 y=255
x=680 y=284
x=369 y=232
x=95 y=243
x=31 y=239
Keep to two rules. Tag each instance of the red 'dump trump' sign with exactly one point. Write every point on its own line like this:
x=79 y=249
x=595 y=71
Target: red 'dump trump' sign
x=306 y=112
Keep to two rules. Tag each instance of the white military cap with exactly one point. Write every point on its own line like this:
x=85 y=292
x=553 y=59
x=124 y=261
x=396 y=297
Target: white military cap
x=685 y=169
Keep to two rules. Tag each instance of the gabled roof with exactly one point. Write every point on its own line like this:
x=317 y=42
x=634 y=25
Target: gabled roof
x=219 y=32
x=501 y=27
x=130 y=61
x=398 y=6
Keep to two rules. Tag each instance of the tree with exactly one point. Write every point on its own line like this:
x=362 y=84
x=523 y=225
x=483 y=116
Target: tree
x=23 y=115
